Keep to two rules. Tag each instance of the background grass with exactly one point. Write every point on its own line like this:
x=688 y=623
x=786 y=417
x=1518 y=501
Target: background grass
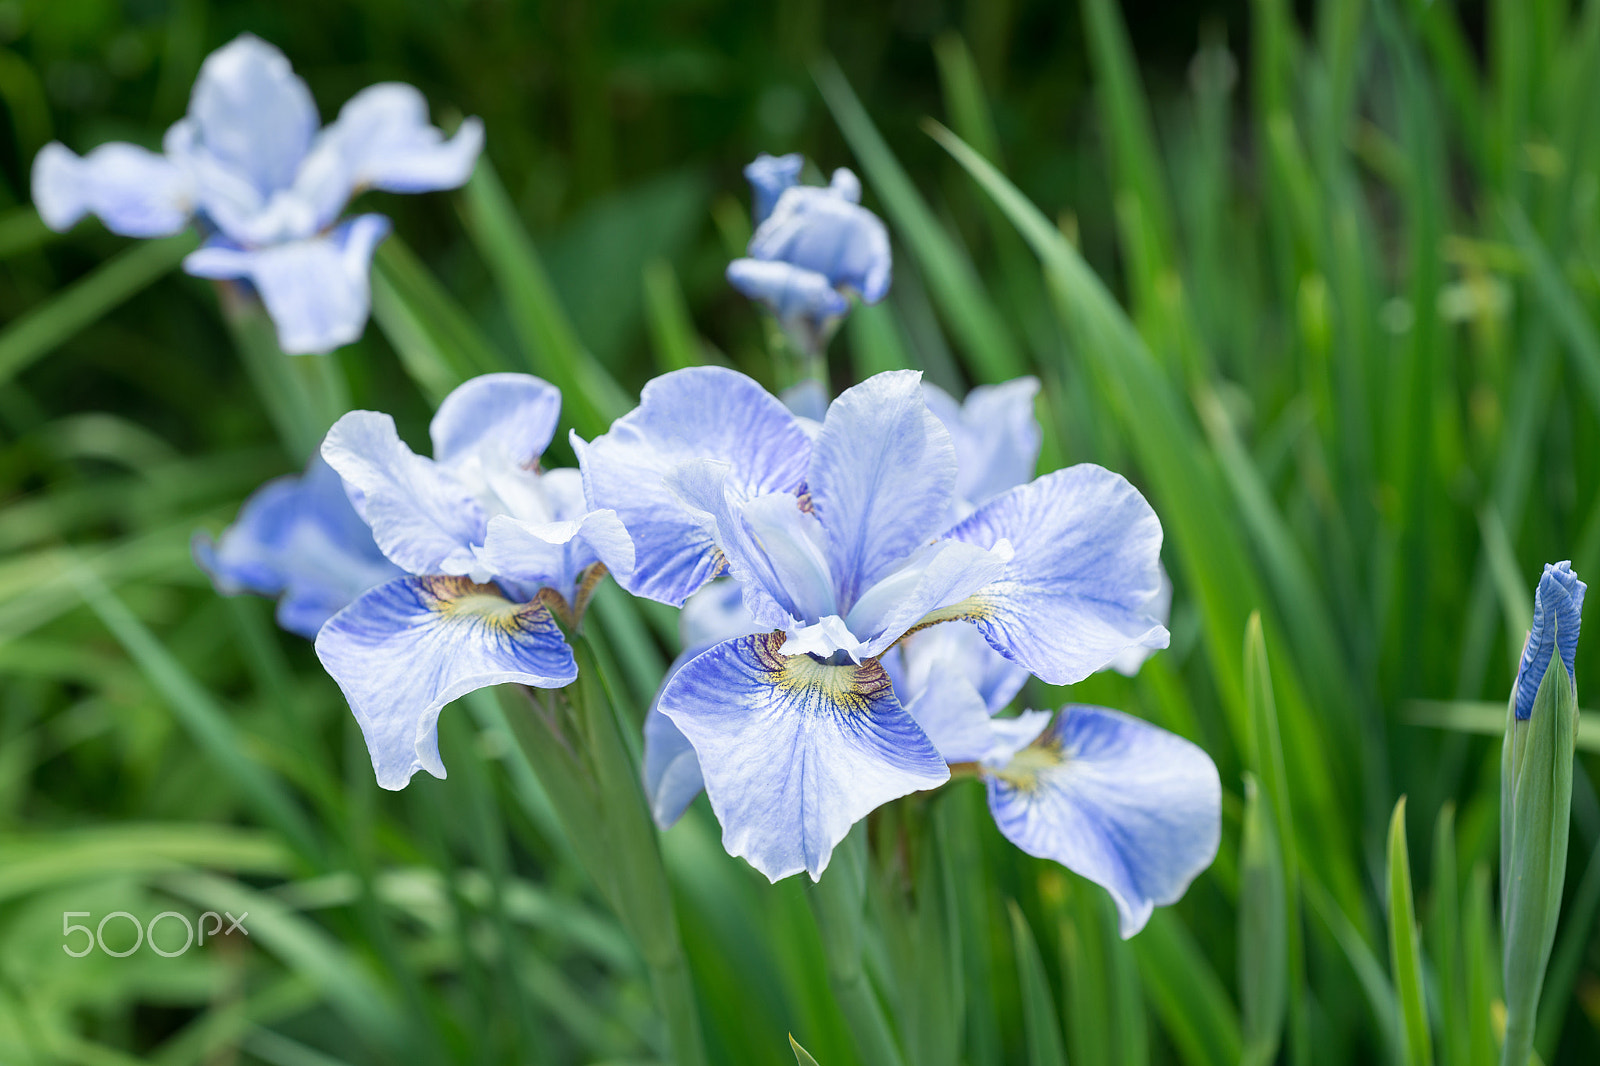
x=1323 y=280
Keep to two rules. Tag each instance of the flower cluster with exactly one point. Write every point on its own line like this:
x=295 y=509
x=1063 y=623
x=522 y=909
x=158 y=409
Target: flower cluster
x=798 y=733
x=828 y=687
x=249 y=164
x=866 y=586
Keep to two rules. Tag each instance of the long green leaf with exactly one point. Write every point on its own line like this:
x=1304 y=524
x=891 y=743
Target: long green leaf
x=1041 y=1031
x=1405 y=948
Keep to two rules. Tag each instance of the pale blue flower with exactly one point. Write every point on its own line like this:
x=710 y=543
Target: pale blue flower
x=841 y=546
x=996 y=436
x=1557 y=616
x=491 y=545
x=267 y=186
x=813 y=246
x=297 y=538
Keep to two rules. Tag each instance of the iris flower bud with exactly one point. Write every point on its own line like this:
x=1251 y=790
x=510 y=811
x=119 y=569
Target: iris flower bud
x=1536 y=800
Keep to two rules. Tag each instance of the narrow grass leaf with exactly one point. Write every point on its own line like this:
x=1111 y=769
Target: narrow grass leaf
x=1041 y=1030
x=1405 y=948
x=1189 y=998
x=44 y=328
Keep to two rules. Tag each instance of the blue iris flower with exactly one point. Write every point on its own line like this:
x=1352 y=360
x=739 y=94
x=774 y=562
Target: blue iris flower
x=813 y=246
x=841 y=545
x=250 y=164
x=1557 y=615
x=490 y=545
x=297 y=538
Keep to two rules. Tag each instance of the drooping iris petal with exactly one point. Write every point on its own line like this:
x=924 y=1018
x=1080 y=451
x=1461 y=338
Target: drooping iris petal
x=996 y=436
x=405 y=649
x=534 y=555
x=254 y=114
x=695 y=413
x=1557 y=617
x=1116 y=800
x=1160 y=608
x=953 y=714
x=817 y=229
x=496 y=420
x=385 y=141
x=768 y=176
x=134 y=191
x=316 y=290
x=1080 y=582
x=795 y=752
x=880 y=478
x=421 y=517
x=297 y=537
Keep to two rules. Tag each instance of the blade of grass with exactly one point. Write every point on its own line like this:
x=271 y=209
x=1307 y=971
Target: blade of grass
x=550 y=343
x=1188 y=996
x=984 y=338
x=672 y=332
x=85 y=301
x=200 y=715
x=1405 y=948
x=1487 y=719
x=1041 y=1031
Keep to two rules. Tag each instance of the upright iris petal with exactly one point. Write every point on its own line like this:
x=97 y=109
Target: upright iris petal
x=996 y=437
x=297 y=538
x=491 y=542
x=1557 y=615
x=691 y=414
x=267 y=187
x=813 y=246
x=769 y=176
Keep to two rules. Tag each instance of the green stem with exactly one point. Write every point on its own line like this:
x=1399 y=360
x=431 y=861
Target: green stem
x=303 y=394
x=837 y=904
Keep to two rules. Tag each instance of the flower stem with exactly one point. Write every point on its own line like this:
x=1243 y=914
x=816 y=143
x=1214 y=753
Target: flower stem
x=837 y=902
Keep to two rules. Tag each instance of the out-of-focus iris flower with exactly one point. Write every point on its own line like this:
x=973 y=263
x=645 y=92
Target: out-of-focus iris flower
x=493 y=548
x=813 y=246
x=841 y=546
x=266 y=186
x=297 y=538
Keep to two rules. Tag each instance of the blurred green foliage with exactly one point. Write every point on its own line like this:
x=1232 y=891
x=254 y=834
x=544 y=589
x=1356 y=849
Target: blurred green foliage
x=1322 y=279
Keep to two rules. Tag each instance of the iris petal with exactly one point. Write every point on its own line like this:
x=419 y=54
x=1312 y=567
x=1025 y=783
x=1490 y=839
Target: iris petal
x=1129 y=806
x=696 y=413
x=497 y=419
x=385 y=141
x=133 y=190
x=554 y=555
x=1079 y=586
x=316 y=290
x=297 y=537
x=768 y=176
x=405 y=649
x=420 y=515
x=253 y=114
x=795 y=752
x=881 y=476
x=996 y=435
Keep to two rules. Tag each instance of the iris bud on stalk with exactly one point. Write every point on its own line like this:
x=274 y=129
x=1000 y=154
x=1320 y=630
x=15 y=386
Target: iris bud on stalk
x=1536 y=800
